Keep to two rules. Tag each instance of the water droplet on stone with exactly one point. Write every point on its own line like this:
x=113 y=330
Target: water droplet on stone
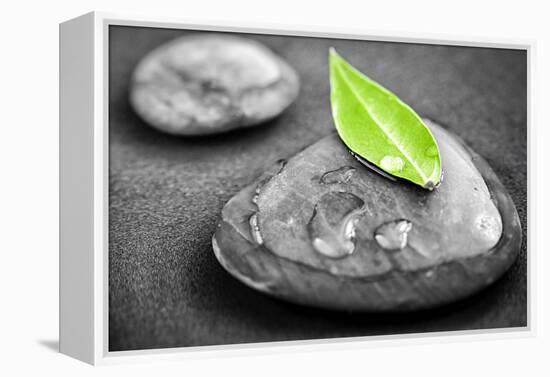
x=341 y=175
x=393 y=234
x=275 y=169
x=430 y=185
x=256 y=195
x=392 y=164
x=279 y=165
x=255 y=229
x=332 y=226
x=490 y=227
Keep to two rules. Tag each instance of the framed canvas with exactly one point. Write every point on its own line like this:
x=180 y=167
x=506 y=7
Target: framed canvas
x=226 y=188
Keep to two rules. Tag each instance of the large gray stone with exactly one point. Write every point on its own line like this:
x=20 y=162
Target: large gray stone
x=323 y=230
x=210 y=83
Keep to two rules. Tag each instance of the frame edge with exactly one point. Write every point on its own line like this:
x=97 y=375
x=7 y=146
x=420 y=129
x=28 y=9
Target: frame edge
x=76 y=188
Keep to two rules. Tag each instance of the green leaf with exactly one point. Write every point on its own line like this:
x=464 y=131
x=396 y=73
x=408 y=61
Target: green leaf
x=377 y=126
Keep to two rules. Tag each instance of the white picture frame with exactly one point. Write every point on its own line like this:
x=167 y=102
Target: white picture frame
x=84 y=189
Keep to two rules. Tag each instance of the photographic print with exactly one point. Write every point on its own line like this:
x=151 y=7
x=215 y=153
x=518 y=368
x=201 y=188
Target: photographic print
x=267 y=188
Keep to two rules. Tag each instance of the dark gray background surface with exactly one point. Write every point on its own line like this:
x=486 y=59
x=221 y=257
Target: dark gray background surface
x=166 y=288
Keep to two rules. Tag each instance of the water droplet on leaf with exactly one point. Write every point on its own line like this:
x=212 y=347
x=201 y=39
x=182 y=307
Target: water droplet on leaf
x=392 y=164
x=373 y=167
x=431 y=151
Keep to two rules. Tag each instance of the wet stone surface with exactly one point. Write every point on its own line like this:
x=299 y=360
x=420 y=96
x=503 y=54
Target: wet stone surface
x=210 y=83
x=324 y=230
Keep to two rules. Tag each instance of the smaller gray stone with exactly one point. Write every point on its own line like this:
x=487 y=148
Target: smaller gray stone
x=324 y=230
x=211 y=83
